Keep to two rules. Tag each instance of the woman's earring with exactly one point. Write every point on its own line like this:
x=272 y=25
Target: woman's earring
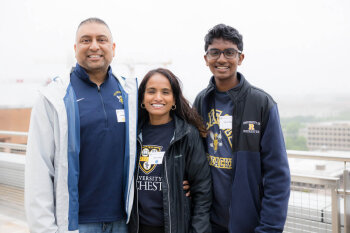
x=143 y=106
x=173 y=107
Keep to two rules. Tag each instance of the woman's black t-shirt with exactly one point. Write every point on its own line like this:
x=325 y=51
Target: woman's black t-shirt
x=155 y=141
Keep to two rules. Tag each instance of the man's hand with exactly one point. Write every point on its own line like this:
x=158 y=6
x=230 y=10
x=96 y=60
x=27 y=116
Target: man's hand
x=186 y=187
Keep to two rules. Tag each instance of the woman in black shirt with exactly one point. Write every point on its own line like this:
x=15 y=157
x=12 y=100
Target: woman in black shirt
x=170 y=150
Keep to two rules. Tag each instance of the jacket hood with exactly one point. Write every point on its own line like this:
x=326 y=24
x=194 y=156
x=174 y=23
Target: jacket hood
x=57 y=89
x=181 y=127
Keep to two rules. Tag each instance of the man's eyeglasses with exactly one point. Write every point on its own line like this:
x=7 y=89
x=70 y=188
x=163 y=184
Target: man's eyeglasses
x=228 y=53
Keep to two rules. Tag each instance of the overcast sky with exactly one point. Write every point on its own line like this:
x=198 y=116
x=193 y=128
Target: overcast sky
x=293 y=48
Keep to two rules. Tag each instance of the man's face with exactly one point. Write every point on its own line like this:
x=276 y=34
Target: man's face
x=222 y=68
x=94 y=48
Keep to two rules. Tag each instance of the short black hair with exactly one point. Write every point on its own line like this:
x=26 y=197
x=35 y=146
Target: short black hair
x=93 y=20
x=225 y=32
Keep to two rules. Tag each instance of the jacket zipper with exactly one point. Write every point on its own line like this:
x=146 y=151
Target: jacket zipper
x=103 y=105
x=234 y=137
x=137 y=191
x=167 y=182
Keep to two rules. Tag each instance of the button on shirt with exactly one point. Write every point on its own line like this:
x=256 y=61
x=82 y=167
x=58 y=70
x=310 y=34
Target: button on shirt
x=102 y=142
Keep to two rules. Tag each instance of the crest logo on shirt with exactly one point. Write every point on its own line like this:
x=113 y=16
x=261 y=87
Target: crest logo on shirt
x=251 y=127
x=144 y=156
x=119 y=96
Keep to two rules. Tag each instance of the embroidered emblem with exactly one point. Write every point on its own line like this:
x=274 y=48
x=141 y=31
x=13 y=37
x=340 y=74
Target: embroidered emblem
x=251 y=127
x=118 y=94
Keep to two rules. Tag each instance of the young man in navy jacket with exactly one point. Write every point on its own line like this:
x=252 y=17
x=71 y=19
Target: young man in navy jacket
x=245 y=146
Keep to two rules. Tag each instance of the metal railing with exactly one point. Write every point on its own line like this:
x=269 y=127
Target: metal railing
x=336 y=196
x=312 y=205
x=317 y=204
x=13 y=147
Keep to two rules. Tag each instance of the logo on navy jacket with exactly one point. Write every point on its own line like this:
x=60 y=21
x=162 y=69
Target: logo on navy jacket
x=119 y=96
x=251 y=127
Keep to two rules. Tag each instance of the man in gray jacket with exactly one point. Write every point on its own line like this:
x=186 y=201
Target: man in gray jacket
x=82 y=143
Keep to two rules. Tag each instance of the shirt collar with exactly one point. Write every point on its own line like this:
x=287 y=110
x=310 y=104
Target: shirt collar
x=81 y=73
x=234 y=89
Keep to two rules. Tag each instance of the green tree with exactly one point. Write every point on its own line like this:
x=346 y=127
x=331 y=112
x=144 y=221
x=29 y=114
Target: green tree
x=296 y=143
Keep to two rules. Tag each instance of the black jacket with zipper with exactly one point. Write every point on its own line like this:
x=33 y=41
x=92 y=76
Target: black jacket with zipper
x=185 y=159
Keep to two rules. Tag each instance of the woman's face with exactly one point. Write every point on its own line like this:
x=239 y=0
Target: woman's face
x=158 y=99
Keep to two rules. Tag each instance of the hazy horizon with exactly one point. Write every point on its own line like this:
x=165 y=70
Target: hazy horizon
x=293 y=49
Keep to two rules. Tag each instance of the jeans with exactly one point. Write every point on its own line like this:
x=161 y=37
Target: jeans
x=104 y=227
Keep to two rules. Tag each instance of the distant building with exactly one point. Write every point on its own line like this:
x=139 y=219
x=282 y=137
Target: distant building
x=17 y=120
x=329 y=136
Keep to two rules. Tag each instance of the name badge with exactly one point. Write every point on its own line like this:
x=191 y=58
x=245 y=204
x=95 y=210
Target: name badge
x=120 y=115
x=225 y=122
x=156 y=157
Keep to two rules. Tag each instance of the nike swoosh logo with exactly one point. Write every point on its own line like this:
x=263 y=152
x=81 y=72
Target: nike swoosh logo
x=80 y=99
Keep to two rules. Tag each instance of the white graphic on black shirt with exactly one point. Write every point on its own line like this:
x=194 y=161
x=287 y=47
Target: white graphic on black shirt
x=147 y=181
x=144 y=165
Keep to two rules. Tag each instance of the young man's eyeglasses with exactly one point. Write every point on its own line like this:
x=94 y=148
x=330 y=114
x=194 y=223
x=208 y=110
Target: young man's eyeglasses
x=228 y=53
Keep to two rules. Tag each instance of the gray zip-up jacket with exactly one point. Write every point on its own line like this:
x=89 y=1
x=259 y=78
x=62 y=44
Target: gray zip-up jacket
x=52 y=160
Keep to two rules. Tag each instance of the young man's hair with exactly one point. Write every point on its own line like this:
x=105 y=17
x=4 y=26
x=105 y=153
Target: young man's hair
x=222 y=31
x=183 y=108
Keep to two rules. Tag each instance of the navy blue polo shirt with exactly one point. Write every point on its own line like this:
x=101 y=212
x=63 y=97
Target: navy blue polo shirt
x=102 y=141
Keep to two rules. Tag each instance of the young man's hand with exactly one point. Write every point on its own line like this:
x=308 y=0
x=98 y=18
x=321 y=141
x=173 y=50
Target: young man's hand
x=186 y=187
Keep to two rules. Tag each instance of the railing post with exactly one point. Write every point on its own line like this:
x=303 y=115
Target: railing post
x=346 y=185
x=335 y=210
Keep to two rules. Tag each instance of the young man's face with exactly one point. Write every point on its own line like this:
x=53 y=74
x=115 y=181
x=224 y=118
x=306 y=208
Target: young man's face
x=222 y=68
x=94 y=48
